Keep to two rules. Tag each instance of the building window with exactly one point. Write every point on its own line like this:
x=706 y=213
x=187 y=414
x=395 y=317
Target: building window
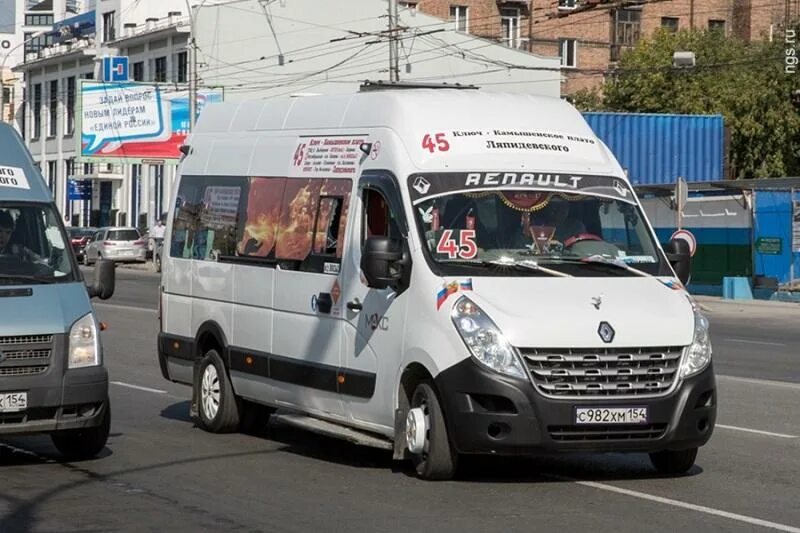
x=460 y=15
x=567 y=4
x=160 y=70
x=88 y=75
x=70 y=105
x=716 y=25
x=109 y=32
x=52 y=108
x=38 y=20
x=138 y=71
x=52 y=170
x=181 y=67
x=629 y=26
x=23 y=116
x=37 y=111
x=509 y=22
x=568 y=51
x=670 y=24
x=34 y=44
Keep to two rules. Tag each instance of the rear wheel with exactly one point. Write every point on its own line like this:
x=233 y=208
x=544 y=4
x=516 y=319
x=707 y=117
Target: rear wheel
x=218 y=409
x=436 y=460
x=674 y=462
x=85 y=443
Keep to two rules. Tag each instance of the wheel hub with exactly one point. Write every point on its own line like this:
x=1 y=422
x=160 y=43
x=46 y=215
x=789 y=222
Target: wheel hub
x=210 y=392
x=416 y=430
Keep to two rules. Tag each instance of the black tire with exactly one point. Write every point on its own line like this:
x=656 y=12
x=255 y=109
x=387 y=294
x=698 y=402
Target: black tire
x=217 y=405
x=85 y=443
x=253 y=417
x=674 y=462
x=158 y=263
x=437 y=461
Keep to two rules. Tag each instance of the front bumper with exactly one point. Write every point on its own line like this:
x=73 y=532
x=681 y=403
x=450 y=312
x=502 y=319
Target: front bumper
x=490 y=413
x=78 y=400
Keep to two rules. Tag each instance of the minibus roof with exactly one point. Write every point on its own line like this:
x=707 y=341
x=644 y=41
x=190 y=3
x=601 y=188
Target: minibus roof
x=468 y=118
x=20 y=180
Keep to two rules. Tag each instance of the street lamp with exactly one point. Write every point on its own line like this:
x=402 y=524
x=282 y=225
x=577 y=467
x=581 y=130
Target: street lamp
x=3 y=70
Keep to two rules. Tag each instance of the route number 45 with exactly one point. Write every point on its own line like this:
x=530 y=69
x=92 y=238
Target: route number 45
x=465 y=248
x=437 y=141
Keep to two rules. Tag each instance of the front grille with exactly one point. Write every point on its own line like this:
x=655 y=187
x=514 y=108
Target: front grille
x=26 y=339
x=25 y=355
x=23 y=370
x=621 y=432
x=603 y=372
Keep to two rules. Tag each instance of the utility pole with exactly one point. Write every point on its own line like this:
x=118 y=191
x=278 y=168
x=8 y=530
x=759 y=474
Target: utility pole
x=394 y=55
x=192 y=52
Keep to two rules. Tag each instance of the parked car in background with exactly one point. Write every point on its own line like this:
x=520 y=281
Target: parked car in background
x=116 y=244
x=79 y=238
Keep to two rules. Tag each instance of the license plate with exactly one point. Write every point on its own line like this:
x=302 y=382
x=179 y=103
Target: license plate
x=11 y=402
x=611 y=415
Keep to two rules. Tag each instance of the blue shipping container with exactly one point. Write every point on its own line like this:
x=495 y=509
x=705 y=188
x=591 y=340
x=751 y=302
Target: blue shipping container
x=657 y=149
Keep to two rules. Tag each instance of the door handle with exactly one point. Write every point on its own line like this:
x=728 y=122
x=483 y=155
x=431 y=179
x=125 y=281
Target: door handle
x=355 y=305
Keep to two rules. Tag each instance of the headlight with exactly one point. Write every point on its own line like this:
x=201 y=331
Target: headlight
x=698 y=355
x=84 y=346
x=484 y=340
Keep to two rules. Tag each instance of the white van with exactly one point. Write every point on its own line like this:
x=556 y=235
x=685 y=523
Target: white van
x=436 y=271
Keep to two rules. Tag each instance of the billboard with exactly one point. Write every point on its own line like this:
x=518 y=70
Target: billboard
x=135 y=122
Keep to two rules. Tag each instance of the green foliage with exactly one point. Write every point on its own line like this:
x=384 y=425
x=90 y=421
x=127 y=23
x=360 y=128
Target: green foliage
x=587 y=100
x=745 y=82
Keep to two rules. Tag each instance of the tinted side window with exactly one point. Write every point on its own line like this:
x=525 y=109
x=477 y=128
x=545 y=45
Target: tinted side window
x=206 y=218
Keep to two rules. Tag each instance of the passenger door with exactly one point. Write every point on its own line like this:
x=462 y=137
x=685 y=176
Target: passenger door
x=374 y=320
x=305 y=363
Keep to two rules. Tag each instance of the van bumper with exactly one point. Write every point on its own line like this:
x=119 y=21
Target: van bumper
x=490 y=413
x=80 y=402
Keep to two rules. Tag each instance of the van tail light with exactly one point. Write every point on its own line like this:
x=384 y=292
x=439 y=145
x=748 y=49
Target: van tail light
x=138 y=243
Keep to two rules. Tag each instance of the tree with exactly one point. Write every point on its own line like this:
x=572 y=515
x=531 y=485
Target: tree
x=745 y=82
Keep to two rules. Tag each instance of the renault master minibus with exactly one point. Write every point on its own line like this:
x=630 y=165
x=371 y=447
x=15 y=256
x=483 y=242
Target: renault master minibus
x=52 y=378
x=439 y=272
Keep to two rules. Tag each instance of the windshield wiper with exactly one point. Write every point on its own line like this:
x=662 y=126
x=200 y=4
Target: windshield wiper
x=607 y=261
x=25 y=277
x=521 y=265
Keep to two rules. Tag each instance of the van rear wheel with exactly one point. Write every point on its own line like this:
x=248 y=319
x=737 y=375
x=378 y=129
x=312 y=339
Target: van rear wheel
x=218 y=409
x=84 y=443
x=674 y=462
x=436 y=460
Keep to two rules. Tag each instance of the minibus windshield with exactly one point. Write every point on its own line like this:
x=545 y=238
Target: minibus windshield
x=579 y=225
x=33 y=247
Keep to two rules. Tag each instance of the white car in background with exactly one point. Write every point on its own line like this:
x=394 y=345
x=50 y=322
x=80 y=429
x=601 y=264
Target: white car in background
x=116 y=244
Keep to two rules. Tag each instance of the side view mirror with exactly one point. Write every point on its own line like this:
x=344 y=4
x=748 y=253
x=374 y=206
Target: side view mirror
x=381 y=262
x=680 y=257
x=104 y=280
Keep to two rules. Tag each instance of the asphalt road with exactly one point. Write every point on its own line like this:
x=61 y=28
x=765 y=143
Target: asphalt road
x=161 y=473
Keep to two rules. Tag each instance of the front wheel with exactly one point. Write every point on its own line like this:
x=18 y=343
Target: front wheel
x=674 y=462
x=84 y=443
x=436 y=459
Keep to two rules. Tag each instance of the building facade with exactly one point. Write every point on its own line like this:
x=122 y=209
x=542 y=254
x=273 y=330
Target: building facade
x=590 y=35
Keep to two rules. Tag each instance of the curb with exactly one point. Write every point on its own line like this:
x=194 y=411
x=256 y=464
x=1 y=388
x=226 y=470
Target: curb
x=764 y=304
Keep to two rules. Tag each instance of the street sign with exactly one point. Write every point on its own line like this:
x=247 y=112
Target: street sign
x=79 y=189
x=688 y=236
x=115 y=68
x=769 y=245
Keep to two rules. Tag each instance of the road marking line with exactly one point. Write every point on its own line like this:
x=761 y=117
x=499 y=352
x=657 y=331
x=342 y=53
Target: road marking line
x=684 y=505
x=767 y=433
x=138 y=387
x=748 y=341
x=755 y=381
x=127 y=307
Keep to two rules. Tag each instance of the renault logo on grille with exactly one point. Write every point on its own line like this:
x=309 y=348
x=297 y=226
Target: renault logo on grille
x=606 y=332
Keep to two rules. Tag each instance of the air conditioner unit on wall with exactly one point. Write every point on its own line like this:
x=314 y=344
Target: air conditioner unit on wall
x=567 y=5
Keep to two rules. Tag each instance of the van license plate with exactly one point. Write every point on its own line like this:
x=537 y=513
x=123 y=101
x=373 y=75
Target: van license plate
x=611 y=415
x=11 y=402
